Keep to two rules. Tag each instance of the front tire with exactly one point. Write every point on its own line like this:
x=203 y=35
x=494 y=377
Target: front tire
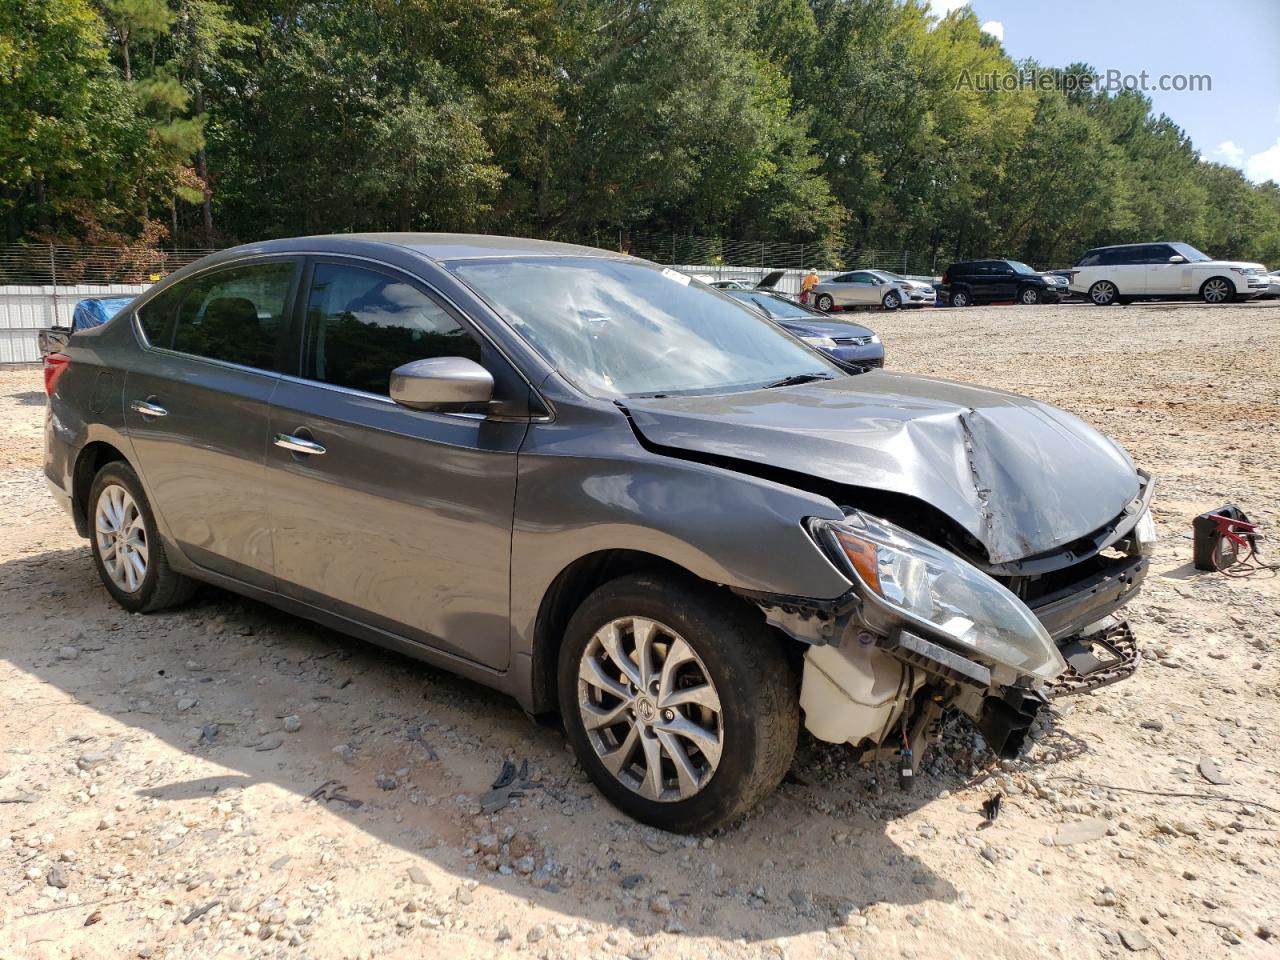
x=891 y=301
x=1217 y=290
x=677 y=700
x=126 y=544
x=1103 y=293
x=1029 y=296
x=824 y=302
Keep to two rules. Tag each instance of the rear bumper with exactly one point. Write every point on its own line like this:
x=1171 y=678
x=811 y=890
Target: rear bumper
x=62 y=497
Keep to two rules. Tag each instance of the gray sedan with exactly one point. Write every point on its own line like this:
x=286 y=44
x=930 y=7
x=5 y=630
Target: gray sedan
x=606 y=490
x=872 y=288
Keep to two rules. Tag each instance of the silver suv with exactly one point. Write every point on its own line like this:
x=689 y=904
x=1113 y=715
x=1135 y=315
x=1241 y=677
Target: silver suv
x=583 y=480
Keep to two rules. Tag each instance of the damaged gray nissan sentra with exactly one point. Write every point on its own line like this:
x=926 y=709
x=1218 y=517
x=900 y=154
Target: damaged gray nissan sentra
x=607 y=490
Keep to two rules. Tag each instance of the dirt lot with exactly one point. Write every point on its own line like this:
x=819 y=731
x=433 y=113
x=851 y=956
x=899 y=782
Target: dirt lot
x=154 y=771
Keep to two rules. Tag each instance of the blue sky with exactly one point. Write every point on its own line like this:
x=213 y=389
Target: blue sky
x=1235 y=42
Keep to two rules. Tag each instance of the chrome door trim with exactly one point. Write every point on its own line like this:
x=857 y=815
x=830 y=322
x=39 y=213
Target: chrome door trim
x=148 y=409
x=302 y=445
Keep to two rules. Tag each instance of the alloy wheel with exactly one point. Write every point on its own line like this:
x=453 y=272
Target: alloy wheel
x=122 y=538
x=650 y=709
x=891 y=301
x=960 y=299
x=825 y=303
x=1029 y=296
x=1216 y=291
x=1102 y=293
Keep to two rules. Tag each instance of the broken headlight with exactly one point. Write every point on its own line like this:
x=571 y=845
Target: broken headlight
x=1145 y=535
x=928 y=584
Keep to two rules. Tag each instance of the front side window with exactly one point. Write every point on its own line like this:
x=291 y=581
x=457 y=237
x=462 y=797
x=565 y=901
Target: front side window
x=1020 y=267
x=622 y=328
x=862 y=277
x=1090 y=259
x=362 y=324
x=236 y=315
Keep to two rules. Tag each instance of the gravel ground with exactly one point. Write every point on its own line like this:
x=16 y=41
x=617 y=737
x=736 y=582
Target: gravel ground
x=155 y=770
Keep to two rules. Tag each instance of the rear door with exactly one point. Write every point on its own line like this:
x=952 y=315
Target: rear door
x=196 y=409
x=400 y=518
x=1126 y=267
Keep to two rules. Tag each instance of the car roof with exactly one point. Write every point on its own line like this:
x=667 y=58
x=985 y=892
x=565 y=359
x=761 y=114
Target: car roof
x=1126 y=246
x=436 y=246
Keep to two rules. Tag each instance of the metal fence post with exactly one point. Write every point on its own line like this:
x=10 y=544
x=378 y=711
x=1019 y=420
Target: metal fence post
x=53 y=275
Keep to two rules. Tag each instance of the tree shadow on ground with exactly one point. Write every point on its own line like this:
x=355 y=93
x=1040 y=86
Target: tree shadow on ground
x=213 y=681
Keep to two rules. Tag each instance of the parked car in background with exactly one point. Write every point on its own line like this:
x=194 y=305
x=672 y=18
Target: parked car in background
x=598 y=486
x=841 y=339
x=1273 y=288
x=90 y=312
x=871 y=288
x=987 y=281
x=1061 y=280
x=733 y=283
x=1164 y=271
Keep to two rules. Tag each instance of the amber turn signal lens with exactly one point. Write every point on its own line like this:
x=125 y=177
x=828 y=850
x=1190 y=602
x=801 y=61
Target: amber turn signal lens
x=862 y=554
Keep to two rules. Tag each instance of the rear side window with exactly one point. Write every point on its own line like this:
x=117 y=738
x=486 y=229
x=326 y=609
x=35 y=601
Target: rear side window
x=1090 y=259
x=1118 y=257
x=237 y=315
x=362 y=324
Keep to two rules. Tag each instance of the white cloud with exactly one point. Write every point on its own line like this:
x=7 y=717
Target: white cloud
x=1229 y=152
x=1265 y=165
x=995 y=28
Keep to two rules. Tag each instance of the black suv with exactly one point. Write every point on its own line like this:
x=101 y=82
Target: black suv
x=985 y=281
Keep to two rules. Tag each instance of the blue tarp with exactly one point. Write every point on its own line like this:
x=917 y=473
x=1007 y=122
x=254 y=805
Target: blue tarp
x=97 y=311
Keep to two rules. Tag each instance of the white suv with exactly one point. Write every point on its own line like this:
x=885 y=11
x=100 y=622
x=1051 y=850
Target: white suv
x=1107 y=275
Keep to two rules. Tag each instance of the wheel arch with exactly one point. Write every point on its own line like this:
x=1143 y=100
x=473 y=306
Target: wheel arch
x=567 y=592
x=93 y=456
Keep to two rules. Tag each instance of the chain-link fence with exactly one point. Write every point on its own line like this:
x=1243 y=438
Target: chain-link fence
x=40 y=264
x=720 y=255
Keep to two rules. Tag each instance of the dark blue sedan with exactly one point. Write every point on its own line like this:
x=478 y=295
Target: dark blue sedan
x=845 y=341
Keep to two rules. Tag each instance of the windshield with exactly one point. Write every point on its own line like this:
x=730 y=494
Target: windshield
x=777 y=307
x=1020 y=267
x=623 y=328
x=1191 y=253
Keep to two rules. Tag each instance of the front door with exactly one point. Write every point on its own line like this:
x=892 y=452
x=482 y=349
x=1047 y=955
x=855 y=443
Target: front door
x=196 y=411
x=393 y=517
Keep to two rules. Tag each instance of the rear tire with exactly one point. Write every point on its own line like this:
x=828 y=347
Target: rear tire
x=126 y=544
x=960 y=298
x=718 y=652
x=824 y=302
x=1103 y=293
x=1217 y=290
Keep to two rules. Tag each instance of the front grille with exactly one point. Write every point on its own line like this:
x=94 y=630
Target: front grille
x=851 y=341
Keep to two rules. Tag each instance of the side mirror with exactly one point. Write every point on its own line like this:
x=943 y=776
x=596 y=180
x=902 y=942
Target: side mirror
x=1177 y=258
x=441 y=383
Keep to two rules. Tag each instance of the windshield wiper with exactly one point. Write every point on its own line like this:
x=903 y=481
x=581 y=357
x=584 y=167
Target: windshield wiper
x=798 y=378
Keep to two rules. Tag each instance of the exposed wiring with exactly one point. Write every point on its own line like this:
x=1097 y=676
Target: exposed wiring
x=1217 y=797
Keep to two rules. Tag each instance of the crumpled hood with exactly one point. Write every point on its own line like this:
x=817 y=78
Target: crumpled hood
x=1022 y=477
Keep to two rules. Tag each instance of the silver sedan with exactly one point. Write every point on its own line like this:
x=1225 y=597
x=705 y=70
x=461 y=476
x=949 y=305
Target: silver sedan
x=871 y=288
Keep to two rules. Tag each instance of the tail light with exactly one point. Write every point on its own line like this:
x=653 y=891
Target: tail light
x=54 y=366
